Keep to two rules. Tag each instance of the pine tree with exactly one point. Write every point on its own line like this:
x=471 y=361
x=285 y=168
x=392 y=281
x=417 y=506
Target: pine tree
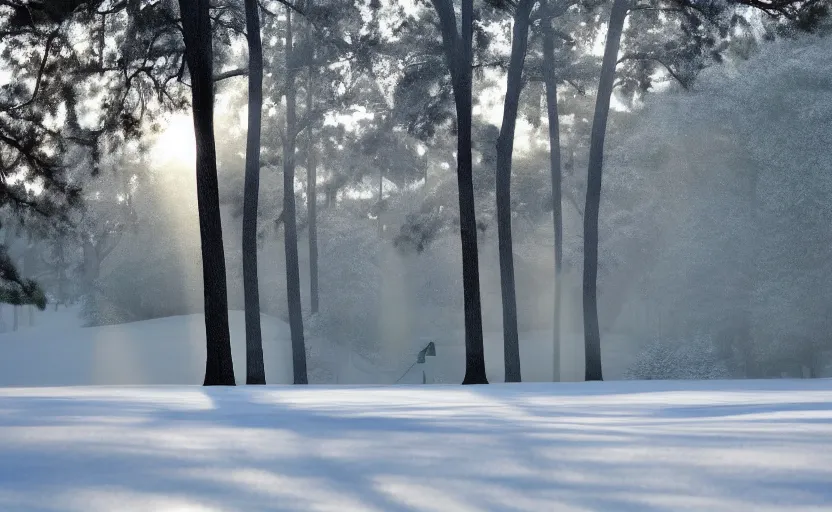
x=290 y=238
x=255 y=369
x=196 y=25
x=593 y=192
x=458 y=49
x=505 y=147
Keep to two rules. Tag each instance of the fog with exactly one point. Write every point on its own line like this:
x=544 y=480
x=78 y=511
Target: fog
x=714 y=225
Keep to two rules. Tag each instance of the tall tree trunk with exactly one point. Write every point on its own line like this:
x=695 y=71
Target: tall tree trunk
x=312 y=213
x=255 y=368
x=379 y=225
x=312 y=187
x=458 y=53
x=742 y=320
x=290 y=214
x=550 y=81
x=196 y=25
x=474 y=349
x=592 y=335
x=505 y=149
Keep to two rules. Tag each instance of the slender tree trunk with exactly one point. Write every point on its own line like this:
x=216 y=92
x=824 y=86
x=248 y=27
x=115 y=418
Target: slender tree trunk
x=742 y=321
x=592 y=335
x=505 y=149
x=312 y=212
x=380 y=199
x=196 y=25
x=312 y=187
x=474 y=350
x=255 y=368
x=290 y=215
x=425 y=170
x=550 y=81
x=458 y=53
x=14 y=321
x=102 y=38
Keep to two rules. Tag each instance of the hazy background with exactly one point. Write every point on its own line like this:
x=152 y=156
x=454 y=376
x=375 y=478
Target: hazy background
x=716 y=224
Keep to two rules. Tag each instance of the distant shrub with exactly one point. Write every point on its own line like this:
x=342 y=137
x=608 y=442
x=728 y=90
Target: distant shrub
x=692 y=359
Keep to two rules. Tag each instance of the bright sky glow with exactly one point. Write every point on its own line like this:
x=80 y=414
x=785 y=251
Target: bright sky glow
x=349 y=120
x=176 y=144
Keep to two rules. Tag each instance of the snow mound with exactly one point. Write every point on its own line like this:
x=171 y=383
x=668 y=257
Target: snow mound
x=626 y=446
x=160 y=351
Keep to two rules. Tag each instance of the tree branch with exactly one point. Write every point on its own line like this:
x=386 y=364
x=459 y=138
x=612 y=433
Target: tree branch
x=114 y=9
x=450 y=34
x=39 y=79
x=283 y=2
x=230 y=74
x=646 y=57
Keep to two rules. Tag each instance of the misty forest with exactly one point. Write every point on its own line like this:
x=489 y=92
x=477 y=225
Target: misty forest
x=409 y=192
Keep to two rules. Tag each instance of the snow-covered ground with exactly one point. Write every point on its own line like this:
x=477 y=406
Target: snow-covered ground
x=58 y=351
x=622 y=446
x=161 y=351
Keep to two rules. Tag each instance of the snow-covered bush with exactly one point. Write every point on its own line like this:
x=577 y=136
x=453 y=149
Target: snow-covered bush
x=738 y=194
x=349 y=279
x=155 y=269
x=693 y=359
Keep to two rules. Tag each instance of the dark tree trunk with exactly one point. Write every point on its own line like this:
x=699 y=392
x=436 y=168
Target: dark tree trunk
x=550 y=81
x=312 y=190
x=592 y=335
x=458 y=53
x=290 y=215
x=474 y=350
x=505 y=149
x=196 y=25
x=255 y=368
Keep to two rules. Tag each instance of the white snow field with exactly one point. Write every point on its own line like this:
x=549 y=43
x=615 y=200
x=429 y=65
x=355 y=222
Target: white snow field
x=161 y=351
x=613 y=446
x=57 y=351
